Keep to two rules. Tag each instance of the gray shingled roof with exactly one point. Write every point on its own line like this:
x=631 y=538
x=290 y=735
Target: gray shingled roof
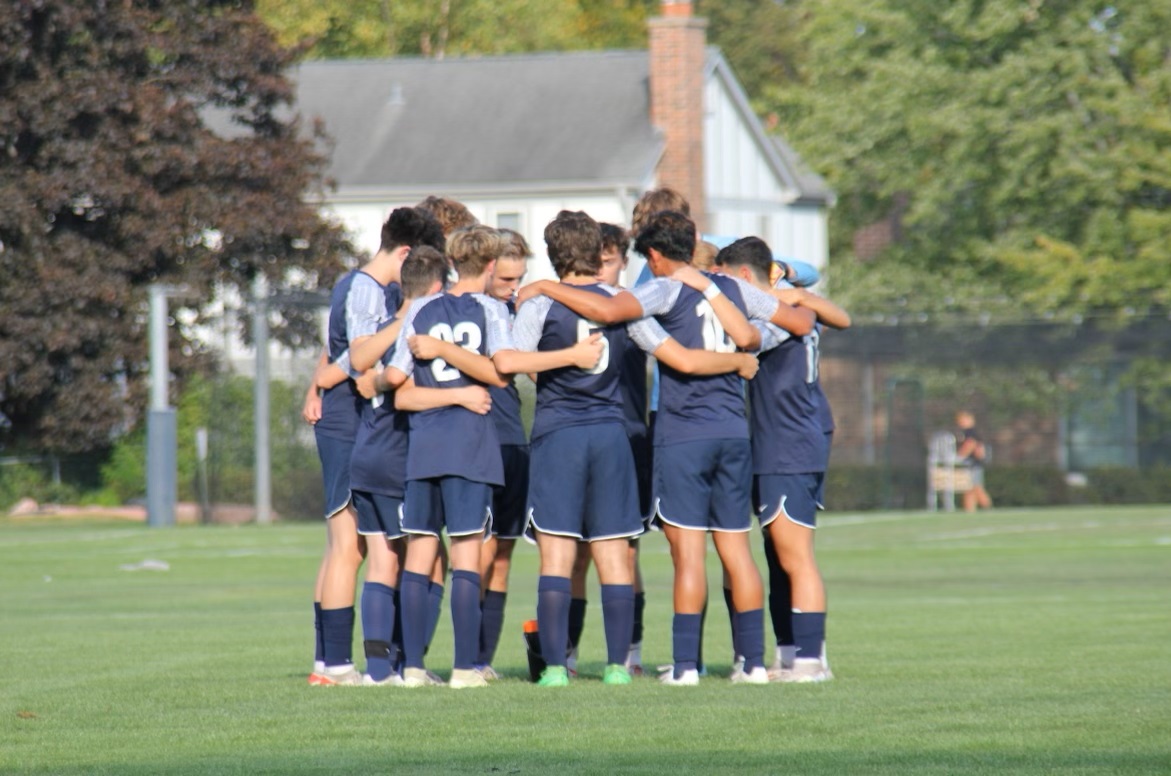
x=562 y=117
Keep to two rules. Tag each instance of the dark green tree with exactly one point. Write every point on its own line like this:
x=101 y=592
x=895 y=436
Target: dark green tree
x=113 y=178
x=1019 y=146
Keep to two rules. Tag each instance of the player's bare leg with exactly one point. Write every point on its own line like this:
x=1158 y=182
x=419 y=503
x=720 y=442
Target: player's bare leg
x=612 y=559
x=794 y=543
x=344 y=552
x=743 y=579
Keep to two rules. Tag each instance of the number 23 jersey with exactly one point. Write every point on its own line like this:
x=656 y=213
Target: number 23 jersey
x=453 y=441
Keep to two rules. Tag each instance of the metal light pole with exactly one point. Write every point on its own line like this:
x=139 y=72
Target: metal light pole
x=263 y=464
x=161 y=424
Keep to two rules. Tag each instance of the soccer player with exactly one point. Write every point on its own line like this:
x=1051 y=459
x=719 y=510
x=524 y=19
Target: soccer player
x=447 y=342
x=359 y=305
x=508 y=501
x=633 y=385
x=702 y=460
x=378 y=471
x=583 y=486
x=790 y=454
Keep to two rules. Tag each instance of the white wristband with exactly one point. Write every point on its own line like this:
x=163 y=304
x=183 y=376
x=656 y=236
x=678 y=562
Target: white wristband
x=711 y=292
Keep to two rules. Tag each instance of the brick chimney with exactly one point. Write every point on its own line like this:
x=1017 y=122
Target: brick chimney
x=677 y=54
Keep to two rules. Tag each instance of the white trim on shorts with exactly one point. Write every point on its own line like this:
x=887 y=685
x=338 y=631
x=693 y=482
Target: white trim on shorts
x=658 y=514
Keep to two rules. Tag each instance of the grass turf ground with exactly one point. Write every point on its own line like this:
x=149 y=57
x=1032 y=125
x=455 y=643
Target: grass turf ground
x=1011 y=642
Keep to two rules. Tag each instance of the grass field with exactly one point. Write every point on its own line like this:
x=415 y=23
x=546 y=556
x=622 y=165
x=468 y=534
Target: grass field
x=1031 y=641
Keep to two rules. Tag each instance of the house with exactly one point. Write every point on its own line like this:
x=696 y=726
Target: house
x=518 y=138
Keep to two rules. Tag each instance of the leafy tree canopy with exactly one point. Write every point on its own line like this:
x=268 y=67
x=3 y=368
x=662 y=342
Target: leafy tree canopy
x=1026 y=144
x=345 y=29
x=112 y=180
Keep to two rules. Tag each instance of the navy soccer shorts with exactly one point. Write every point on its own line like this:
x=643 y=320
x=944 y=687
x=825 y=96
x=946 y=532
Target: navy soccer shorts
x=508 y=500
x=582 y=484
x=791 y=496
x=379 y=514
x=335 y=471
x=461 y=506
x=704 y=485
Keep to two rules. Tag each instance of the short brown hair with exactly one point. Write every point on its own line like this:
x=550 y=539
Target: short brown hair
x=450 y=214
x=655 y=201
x=473 y=248
x=574 y=244
x=515 y=245
x=421 y=270
x=705 y=255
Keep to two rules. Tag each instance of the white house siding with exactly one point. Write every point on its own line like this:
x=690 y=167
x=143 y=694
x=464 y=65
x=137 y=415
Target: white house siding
x=745 y=195
x=364 y=221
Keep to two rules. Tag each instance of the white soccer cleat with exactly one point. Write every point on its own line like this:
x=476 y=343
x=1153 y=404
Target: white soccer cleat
x=782 y=661
x=394 y=680
x=488 y=672
x=737 y=666
x=464 y=678
x=805 y=670
x=758 y=675
x=419 y=677
x=689 y=678
x=339 y=676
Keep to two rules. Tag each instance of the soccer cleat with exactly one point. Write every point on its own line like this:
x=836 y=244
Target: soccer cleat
x=339 y=676
x=804 y=670
x=463 y=678
x=394 y=680
x=554 y=676
x=737 y=666
x=419 y=677
x=782 y=661
x=689 y=678
x=616 y=674
x=758 y=675
x=634 y=659
x=316 y=679
x=488 y=672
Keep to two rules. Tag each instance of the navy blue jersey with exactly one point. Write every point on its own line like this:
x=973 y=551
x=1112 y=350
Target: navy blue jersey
x=379 y=461
x=787 y=433
x=506 y=406
x=453 y=441
x=570 y=396
x=341 y=404
x=634 y=393
x=695 y=407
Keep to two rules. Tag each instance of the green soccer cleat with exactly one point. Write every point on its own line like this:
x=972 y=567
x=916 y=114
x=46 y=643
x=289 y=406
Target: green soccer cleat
x=554 y=676
x=616 y=673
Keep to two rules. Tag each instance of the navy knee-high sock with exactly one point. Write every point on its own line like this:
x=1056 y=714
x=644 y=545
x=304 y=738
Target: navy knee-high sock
x=577 y=613
x=337 y=634
x=749 y=638
x=780 y=604
x=618 y=620
x=553 y=596
x=685 y=639
x=319 y=641
x=435 y=607
x=465 y=617
x=378 y=628
x=491 y=623
x=699 y=643
x=396 y=637
x=412 y=593
x=809 y=633
x=639 y=606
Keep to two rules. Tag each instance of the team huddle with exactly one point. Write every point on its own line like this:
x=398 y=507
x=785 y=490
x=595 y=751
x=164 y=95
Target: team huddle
x=418 y=425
